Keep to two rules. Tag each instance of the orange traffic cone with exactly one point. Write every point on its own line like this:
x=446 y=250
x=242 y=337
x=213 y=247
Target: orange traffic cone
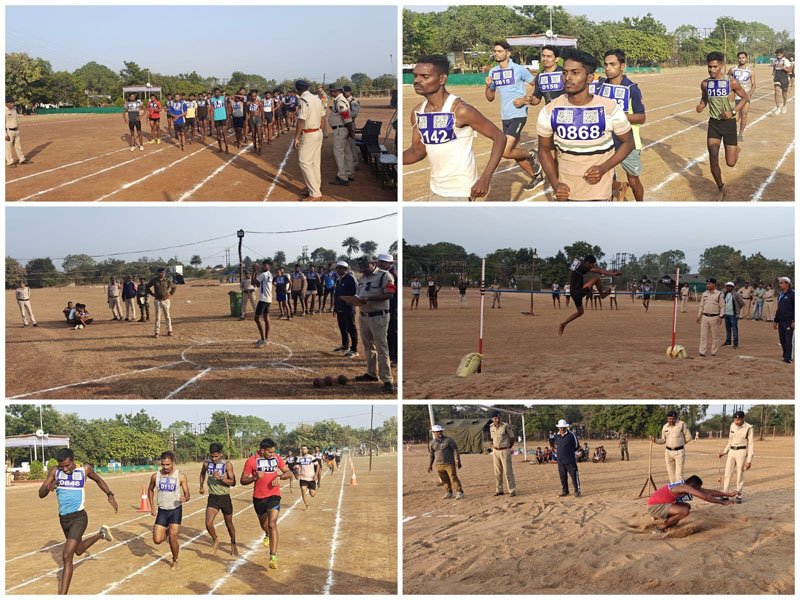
x=353 y=480
x=144 y=504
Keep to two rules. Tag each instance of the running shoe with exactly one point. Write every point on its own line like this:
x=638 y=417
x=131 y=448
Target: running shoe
x=273 y=562
x=105 y=533
x=447 y=496
x=132 y=148
x=351 y=354
x=537 y=180
x=141 y=147
x=783 y=109
x=260 y=343
x=460 y=496
x=265 y=541
x=533 y=160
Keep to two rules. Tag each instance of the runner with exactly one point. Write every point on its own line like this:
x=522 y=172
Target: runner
x=154 y=118
x=716 y=92
x=510 y=79
x=580 y=289
x=219 y=104
x=298 y=288
x=221 y=478
x=255 y=113
x=549 y=83
x=307 y=474
x=329 y=283
x=292 y=108
x=68 y=479
x=746 y=76
x=264 y=280
x=277 y=107
x=191 y=117
x=312 y=283
x=443 y=126
x=781 y=69
x=177 y=110
x=318 y=460
x=330 y=458
x=265 y=470
x=291 y=463
x=169 y=117
x=202 y=115
x=132 y=115
x=237 y=117
x=579 y=126
x=267 y=124
x=338 y=457
x=416 y=288
x=172 y=494
x=617 y=87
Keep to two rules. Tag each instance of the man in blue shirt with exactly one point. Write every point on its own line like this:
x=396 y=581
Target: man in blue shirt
x=784 y=318
x=177 y=109
x=346 y=285
x=509 y=79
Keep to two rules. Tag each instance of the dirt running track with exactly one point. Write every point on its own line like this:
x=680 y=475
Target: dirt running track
x=87 y=158
x=604 y=354
x=601 y=543
x=211 y=355
x=674 y=158
x=365 y=553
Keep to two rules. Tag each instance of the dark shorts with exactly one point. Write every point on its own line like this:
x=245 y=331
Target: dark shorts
x=576 y=287
x=74 y=524
x=189 y=121
x=220 y=502
x=178 y=127
x=262 y=308
x=513 y=127
x=155 y=119
x=297 y=294
x=724 y=130
x=312 y=485
x=781 y=79
x=220 y=122
x=268 y=117
x=238 y=122
x=135 y=125
x=202 y=112
x=338 y=459
x=255 y=122
x=281 y=296
x=262 y=505
x=645 y=296
x=311 y=289
x=167 y=517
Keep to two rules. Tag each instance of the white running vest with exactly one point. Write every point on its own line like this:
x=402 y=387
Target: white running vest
x=453 y=169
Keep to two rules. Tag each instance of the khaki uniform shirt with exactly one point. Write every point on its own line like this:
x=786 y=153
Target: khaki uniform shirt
x=675 y=436
x=340 y=115
x=711 y=303
x=310 y=110
x=162 y=289
x=23 y=293
x=747 y=293
x=12 y=121
x=502 y=435
x=741 y=436
x=377 y=283
x=113 y=291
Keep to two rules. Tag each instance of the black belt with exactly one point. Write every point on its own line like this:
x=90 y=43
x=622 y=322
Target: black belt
x=504 y=448
x=674 y=449
x=12 y=128
x=738 y=447
x=710 y=315
x=376 y=313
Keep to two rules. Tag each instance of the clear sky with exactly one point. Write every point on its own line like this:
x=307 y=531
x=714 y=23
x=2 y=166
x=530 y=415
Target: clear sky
x=673 y=16
x=277 y=42
x=615 y=228
x=355 y=415
x=40 y=231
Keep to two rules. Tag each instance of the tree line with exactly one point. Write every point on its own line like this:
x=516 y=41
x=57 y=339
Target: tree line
x=32 y=80
x=447 y=262
x=645 y=40
x=138 y=439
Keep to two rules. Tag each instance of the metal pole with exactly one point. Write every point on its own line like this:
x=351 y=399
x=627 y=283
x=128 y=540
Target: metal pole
x=533 y=276
x=675 y=305
x=430 y=414
x=483 y=297
x=371 y=413
x=524 y=440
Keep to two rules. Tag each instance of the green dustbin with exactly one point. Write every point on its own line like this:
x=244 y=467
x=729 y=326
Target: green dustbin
x=236 y=303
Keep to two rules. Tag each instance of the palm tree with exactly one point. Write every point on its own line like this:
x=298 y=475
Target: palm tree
x=350 y=245
x=393 y=248
x=196 y=261
x=368 y=248
x=279 y=258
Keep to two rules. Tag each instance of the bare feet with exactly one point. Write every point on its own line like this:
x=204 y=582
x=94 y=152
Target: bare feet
x=215 y=545
x=561 y=328
x=234 y=549
x=174 y=566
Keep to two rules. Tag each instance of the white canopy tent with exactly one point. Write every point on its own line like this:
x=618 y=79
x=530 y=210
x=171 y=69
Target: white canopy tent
x=142 y=89
x=36 y=441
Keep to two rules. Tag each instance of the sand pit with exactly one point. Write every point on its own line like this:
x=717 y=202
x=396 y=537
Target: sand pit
x=210 y=355
x=362 y=561
x=600 y=543
x=604 y=354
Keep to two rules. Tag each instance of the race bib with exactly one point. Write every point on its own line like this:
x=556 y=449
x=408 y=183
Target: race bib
x=216 y=468
x=551 y=82
x=579 y=123
x=436 y=128
x=266 y=465
x=575 y=264
x=502 y=77
x=593 y=88
x=741 y=75
x=620 y=94
x=70 y=480
x=168 y=484
x=718 y=87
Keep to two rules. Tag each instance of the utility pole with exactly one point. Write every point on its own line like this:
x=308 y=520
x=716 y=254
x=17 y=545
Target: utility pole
x=228 y=436
x=240 y=235
x=371 y=413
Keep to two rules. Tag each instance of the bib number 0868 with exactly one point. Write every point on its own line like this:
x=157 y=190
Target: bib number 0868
x=573 y=132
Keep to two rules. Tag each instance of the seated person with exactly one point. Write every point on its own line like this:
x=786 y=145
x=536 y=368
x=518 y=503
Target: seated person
x=586 y=450
x=670 y=502
x=82 y=316
x=538 y=455
x=69 y=308
x=546 y=454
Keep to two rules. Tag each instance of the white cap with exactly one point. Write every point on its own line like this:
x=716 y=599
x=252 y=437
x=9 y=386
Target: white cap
x=730 y=283
x=437 y=428
x=342 y=263
x=562 y=423
x=386 y=257
x=786 y=279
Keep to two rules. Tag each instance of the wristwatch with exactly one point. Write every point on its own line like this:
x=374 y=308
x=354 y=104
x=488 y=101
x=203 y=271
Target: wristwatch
x=109 y=493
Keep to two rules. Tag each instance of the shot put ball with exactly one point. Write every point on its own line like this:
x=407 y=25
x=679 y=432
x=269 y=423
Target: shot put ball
x=342 y=379
x=329 y=380
x=317 y=382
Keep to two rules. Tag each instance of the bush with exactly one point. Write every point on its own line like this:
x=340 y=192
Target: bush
x=52 y=463
x=37 y=470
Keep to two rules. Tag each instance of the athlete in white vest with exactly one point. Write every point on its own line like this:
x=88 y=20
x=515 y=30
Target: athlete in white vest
x=746 y=76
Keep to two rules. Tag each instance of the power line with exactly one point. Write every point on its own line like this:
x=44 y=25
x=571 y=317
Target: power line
x=324 y=226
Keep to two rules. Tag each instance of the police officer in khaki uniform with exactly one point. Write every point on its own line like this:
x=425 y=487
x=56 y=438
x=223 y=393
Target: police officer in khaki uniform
x=248 y=291
x=341 y=124
x=23 y=295
x=308 y=138
x=675 y=434
x=747 y=296
x=355 y=108
x=710 y=316
x=502 y=446
x=623 y=446
x=375 y=289
x=114 y=302
x=740 y=451
x=13 y=140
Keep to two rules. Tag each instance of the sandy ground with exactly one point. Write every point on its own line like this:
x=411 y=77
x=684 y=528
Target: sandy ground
x=600 y=543
x=211 y=354
x=364 y=555
x=674 y=157
x=604 y=354
x=87 y=157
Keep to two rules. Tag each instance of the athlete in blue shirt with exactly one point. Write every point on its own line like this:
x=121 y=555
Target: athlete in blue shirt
x=177 y=110
x=509 y=79
x=218 y=104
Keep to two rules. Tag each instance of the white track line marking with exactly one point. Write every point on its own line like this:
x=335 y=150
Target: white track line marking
x=280 y=170
x=192 y=381
x=149 y=175
x=335 y=540
x=771 y=178
x=214 y=173
x=69 y=385
x=67 y=165
x=407 y=519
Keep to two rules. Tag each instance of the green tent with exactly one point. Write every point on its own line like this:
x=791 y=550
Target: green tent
x=469 y=434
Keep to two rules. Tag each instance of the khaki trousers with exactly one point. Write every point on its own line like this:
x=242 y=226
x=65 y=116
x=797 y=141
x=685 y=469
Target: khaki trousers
x=448 y=475
x=769 y=310
x=747 y=309
x=675 y=460
x=26 y=311
x=342 y=154
x=684 y=302
x=130 y=309
x=374 y=332
x=735 y=464
x=116 y=307
x=162 y=306
x=13 y=144
x=501 y=459
x=248 y=298
x=310 y=161
x=709 y=325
